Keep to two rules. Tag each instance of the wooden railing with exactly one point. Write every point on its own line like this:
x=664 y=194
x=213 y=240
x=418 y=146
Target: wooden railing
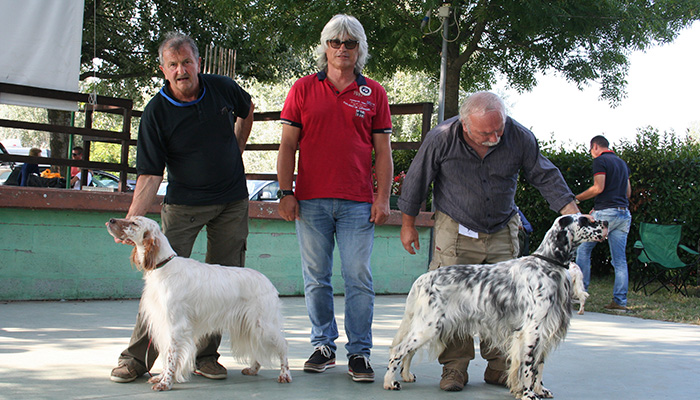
x=123 y=107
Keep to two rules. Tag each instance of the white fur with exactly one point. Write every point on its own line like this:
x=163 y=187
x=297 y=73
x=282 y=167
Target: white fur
x=185 y=300
x=522 y=306
x=578 y=291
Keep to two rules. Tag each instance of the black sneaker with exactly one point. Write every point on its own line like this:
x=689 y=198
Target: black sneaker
x=322 y=359
x=359 y=369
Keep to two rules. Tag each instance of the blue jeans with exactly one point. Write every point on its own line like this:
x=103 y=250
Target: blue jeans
x=619 y=222
x=321 y=223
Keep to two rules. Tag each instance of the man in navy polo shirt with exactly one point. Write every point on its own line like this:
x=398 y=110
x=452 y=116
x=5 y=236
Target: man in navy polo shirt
x=196 y=127
x=336 y=118
x=611 y=189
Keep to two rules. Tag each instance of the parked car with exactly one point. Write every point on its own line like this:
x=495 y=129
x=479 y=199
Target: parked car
x=263 y=190
x=106 y=179
x=257 y=190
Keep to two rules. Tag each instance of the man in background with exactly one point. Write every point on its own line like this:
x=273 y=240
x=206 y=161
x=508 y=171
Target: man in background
x=611 y=189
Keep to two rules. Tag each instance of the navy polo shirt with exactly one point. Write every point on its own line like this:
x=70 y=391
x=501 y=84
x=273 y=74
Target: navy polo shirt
x=617 y=174
x=196 y=142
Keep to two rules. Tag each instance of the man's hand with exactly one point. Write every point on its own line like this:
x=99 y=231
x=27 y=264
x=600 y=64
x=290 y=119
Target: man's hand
x=380 y=211
x=409 y=233
x=409 y=238
x=288 y=208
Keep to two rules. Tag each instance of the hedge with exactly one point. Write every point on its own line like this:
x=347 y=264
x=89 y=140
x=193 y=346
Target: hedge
x=665 y=180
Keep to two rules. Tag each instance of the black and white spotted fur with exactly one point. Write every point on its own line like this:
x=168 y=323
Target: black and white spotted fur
x=523 y=306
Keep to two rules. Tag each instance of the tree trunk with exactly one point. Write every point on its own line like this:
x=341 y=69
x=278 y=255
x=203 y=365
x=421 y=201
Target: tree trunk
x=59 y=141
x=452 y=92
x=452 y=78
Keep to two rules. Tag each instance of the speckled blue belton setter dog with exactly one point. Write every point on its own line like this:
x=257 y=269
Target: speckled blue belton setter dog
x=523 y=306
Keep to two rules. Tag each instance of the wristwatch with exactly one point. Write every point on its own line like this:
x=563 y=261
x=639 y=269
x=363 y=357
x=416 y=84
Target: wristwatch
x=282 y=193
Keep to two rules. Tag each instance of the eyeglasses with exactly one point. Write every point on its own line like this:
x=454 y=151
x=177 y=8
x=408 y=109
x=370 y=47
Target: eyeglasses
x=75 y=154
x=349 y=44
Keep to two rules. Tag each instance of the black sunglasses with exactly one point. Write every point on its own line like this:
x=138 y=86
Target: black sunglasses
x=75 y=154
x=349 y=44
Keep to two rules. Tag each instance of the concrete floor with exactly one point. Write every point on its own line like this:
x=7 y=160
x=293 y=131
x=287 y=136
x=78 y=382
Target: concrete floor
x=65 y=350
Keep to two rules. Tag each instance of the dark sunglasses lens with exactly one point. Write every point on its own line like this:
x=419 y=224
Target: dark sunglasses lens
x=349 y=44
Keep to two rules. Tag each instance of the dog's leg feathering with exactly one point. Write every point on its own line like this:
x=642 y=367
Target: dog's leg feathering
x=405 y=349
x=164 y=381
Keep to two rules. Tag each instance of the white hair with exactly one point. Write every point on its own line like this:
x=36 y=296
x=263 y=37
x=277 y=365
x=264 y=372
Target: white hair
x=343 y=27
x=481 y=103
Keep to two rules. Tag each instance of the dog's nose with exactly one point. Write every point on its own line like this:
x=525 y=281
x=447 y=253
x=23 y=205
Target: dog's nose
x=112 y=220
x=605 y=223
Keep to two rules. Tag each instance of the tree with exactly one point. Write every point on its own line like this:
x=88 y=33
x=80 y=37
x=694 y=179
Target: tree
x=585 y=41
x=121 y=39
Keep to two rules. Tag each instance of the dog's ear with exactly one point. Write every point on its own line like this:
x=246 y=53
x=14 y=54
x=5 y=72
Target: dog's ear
x=585 y=221
x=134 y=258
x=562 y=244
x=150 y=247
x=565 y=221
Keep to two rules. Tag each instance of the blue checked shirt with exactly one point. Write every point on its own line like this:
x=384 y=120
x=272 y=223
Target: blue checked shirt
x=479 y=193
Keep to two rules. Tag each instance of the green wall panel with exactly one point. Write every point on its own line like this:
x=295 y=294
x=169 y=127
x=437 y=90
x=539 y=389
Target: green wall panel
x=63 y=254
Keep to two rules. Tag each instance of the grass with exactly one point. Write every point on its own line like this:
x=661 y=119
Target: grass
x=662 y=305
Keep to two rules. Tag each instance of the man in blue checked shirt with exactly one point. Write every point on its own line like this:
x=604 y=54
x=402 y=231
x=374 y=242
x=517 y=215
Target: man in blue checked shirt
x=473 y=161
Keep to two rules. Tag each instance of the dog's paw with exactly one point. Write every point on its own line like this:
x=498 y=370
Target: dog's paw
x=408 y=377
x=546 y=393
x=528 y=394
x=580 y=310
x=252 y=370
x=284 y=378
x=393 y=385
x=154 y=379
x=160 y=386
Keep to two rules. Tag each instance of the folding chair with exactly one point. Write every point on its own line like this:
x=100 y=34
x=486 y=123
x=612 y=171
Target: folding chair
x=658 y=260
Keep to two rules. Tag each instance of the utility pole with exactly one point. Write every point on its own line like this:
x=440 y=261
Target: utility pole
x=444 y=14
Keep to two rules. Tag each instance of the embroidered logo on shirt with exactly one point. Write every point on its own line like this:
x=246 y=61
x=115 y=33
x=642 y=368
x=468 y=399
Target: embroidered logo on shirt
x=359 y=113
x=365 y=90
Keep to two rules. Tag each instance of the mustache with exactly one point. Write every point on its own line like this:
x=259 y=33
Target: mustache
x=491 y=144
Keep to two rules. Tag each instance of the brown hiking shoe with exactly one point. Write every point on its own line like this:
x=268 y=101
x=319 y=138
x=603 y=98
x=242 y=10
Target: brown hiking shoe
x=124 y=373
x=453 y=380
x=616 y=307
x=495 y=377
x=211 y=369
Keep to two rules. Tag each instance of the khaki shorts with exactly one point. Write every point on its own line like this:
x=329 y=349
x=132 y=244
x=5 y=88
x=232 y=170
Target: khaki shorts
x=451 y=248
x=227 y=230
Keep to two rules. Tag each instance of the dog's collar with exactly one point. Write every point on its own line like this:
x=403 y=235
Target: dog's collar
x=160 y=264
x=551 y=261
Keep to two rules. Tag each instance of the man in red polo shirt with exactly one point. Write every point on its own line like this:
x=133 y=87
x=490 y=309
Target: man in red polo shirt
x=336 y=118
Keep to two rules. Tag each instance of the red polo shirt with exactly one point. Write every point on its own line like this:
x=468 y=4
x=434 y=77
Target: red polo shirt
x=335 y=143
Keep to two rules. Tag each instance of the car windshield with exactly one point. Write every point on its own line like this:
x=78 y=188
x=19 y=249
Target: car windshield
x=101 y=179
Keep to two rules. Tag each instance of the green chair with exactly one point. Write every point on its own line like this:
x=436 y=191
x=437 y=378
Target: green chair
x=658 y=260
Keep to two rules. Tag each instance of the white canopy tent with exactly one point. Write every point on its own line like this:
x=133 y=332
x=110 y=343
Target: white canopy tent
x=40 y=47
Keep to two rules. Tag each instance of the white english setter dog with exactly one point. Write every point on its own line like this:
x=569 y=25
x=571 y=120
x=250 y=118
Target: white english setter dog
x=185 y=300
x=523 y=306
